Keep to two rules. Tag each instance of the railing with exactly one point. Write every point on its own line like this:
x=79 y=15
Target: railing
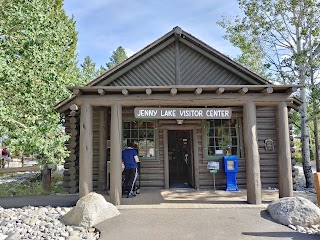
x=35 y=168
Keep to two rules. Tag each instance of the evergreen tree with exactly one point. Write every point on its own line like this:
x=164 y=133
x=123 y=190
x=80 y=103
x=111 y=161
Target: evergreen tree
x=37 y=62
x=89 y=71
x=118 y=56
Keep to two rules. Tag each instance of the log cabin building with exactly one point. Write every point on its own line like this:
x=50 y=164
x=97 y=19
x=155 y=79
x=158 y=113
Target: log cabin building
x=183 y=104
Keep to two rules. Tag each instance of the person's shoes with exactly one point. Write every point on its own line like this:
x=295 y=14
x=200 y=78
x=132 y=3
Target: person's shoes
x=131 y=195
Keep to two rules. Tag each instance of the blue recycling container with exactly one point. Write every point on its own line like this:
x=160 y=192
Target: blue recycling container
x=231 y=168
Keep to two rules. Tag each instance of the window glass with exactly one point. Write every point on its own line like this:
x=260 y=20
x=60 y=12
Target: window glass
x=142 y=134
x=222 y=137
x=134 y=125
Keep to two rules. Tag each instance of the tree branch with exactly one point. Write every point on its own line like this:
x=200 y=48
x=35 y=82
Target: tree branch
x=19 y=123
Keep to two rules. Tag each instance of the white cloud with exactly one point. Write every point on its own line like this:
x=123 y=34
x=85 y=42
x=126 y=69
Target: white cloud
x=129 y=52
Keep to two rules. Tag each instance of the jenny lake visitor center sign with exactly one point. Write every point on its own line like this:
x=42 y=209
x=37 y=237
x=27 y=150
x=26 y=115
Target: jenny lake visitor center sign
x=183 y=113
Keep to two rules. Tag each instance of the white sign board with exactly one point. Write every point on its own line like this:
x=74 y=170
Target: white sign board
x=183 y=113
x=213 y=165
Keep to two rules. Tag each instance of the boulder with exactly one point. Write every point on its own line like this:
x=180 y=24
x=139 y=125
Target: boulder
x=294 y=211
x=89 y=211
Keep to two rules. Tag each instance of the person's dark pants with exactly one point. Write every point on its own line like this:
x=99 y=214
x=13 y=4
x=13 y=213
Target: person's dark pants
x=130 y=179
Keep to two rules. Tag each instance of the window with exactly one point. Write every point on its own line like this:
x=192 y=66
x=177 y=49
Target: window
x=142 y=134
x=222 y=137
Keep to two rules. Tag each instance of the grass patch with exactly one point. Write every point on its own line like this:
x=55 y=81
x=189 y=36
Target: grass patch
x=31 y=186
x=56 y=182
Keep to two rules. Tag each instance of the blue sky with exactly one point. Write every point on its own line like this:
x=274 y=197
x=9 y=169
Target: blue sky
x=103 y=25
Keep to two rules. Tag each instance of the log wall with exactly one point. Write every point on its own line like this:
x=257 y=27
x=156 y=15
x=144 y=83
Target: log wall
x=152 y=171
x=95 y=127
x=266 y=129
x=71 y=165
x=96 y=135
x=206 y=178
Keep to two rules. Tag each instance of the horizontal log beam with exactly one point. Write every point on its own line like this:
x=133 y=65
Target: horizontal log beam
x=73 y=120
x=20 y=169
x=198 y=91
x=291 y=90
x=148 y=91
x=243 y=90
x=73 y=113
x=77 y=92
x=267 y=90
x=220 y=90
x=71 y=190
x=205 y=99
x=125 y=92
x=73 y=170
x=74 y=107
x=67 y=178
x=101 y=91
x=70 y=164
x=72 y=183
x=173 y=91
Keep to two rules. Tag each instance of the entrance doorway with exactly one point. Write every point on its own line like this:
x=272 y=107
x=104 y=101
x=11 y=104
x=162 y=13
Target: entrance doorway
x=180 y=158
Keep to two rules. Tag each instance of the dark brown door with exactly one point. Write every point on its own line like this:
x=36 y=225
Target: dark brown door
x=180 y=158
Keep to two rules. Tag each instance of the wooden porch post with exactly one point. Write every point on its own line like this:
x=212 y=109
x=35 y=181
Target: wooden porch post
x=252 y=154
x=284 y=153
x=102 y=150
x=166 y=160
x=86 y=150
x=115 y=154
x=195 y=159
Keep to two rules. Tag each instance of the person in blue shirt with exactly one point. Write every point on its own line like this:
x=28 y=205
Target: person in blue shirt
x=130 y=160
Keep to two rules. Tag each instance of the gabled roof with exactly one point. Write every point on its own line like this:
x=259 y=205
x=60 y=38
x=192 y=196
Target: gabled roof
x=177 y=34
x=186 y=38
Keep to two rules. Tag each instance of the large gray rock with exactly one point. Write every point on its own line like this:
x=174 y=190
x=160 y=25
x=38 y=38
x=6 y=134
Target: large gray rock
x=295 y=211
x=89 y=211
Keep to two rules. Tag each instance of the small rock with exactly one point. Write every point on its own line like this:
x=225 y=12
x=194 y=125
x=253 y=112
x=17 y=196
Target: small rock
x=74 y=237
x=292 y=227
x=13 y=236
x=310 y=231
x=74 y=233
x=301 y=229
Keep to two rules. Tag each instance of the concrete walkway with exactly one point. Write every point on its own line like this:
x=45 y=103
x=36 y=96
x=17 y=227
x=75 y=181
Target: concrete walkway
x=191 y=198
x=196 y=224
x=181 y=214
x=176 y=214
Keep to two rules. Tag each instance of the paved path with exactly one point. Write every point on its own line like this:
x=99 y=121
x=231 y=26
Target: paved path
x=182 y=214
x=196 y=224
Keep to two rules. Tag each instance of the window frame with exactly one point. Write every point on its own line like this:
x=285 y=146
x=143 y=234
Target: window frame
x=238 y=136
x=138 y=134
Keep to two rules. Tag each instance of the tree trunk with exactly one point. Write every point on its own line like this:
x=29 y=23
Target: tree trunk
x=316 y=139
x=46 y=179
x=303 y=114
x=305 y=141
x=315 y=120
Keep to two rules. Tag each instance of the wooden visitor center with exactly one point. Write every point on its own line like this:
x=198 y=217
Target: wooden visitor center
x=183 y=104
